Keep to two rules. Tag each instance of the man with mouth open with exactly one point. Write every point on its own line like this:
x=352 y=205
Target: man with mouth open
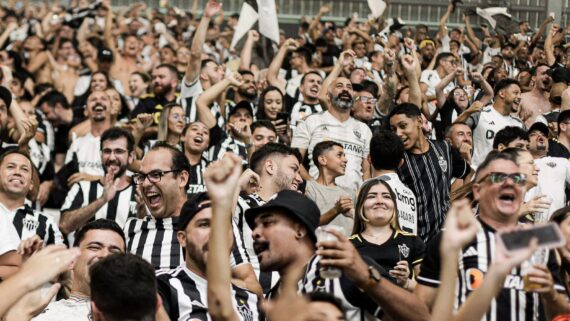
x=499 y=187
x=428 y=168
x=86 y=149
x=486 y=123
x=535 y=102
x=113 y=197
x=337 y=125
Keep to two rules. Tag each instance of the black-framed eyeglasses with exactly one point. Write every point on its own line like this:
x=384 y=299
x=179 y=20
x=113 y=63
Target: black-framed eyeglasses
x=500 y=178
x=153 y=176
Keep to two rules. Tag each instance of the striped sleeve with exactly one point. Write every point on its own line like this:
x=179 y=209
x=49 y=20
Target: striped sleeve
x=74 y=198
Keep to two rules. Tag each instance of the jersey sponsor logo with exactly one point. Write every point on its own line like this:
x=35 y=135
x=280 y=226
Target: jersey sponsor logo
x=90 y=164
x=196 y=188
x=353 y=148
x=515 y=282
x=404 y=250
x=406 y=199
x=489 y=134
x=474 y=278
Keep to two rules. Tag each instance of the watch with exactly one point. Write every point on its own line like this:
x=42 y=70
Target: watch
x=374 y=278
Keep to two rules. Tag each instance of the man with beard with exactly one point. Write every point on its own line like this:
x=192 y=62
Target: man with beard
x=535 y=102
x=85 y=150
x=96 y=240
x=275 y=168
x=337 y=125
x=487 y=122
x=184 y=289
x=164 y=84
x=113 y=197
x=427 y=51
x=554 y=172
x=509 y=64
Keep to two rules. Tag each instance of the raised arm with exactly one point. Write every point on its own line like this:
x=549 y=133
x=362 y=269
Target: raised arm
x=442 y=28
x=313 y=30
x=107 y=31
x=208 y=97
x=549 y=45
x=193 y=69
x=409 y=64
x=538 y=35
x=485 y=86
x=221 y=179
x=442 y=84
x=470 y=33
x=277 y=62
x=245 y=58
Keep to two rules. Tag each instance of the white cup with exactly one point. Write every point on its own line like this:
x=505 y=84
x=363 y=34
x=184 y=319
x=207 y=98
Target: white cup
x=324 y=236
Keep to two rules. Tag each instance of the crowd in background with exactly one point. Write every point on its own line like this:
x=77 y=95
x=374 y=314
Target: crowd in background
x=353 y=171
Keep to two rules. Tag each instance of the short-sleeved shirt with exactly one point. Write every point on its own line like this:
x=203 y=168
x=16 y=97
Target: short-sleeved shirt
x=326 y=197
x=29 y=222
x=87 y=150
x=429 y=176
x=401 y=246
x=184 y=296
x=512 y=303
x=485 y=124
x=352 y=134
x=10 y=239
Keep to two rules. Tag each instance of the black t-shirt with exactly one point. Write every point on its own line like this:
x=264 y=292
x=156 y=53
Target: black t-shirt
x=555 y=149
x=429 y=176
x=512 y=303
x=61 y=132
x=400 y=246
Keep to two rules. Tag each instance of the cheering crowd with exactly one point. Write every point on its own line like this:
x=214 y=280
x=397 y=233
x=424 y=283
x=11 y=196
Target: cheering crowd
x=149 y=170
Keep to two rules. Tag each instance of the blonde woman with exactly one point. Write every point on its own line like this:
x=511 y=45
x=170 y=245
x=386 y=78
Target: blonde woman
x=377 y=234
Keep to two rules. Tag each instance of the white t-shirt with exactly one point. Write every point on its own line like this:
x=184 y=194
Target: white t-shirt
x=406 y=202
x=353 y=135
x=485 y=125
x=88 y=151
x=553 y=176
x=66 y=310
x=9 y=239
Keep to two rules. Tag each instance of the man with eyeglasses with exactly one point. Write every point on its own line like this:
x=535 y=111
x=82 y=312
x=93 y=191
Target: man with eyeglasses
x=499 y=189
x=111 y=198
x=162 y=182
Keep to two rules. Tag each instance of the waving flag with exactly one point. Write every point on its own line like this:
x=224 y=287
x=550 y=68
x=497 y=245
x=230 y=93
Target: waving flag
x=251 y=12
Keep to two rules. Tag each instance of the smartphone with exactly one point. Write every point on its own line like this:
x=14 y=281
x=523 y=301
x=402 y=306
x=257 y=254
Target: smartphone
x=549 y=236
x=284 y=117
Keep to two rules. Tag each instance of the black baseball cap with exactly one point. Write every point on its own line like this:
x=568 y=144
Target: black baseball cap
x=541 y=127
x=6 y=96
x=242 y=104
x=192 y=207
x=105 y=55
x=296 y=205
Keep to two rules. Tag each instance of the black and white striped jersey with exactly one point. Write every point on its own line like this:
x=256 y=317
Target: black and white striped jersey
x=512 y=303
x=301 y=110
x=155 y=241
x=266 y=279
x=184 y=296
x=227 y=145
x=197 y=184
x=28 y=223
x=119 y=209
x=357 y=304
x=429 y=176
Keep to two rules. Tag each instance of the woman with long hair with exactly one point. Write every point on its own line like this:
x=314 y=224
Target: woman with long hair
x=171 y=124
x=377 y=233
x=270 y=107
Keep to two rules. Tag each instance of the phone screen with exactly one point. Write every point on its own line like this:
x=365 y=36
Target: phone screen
x=548 y=235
